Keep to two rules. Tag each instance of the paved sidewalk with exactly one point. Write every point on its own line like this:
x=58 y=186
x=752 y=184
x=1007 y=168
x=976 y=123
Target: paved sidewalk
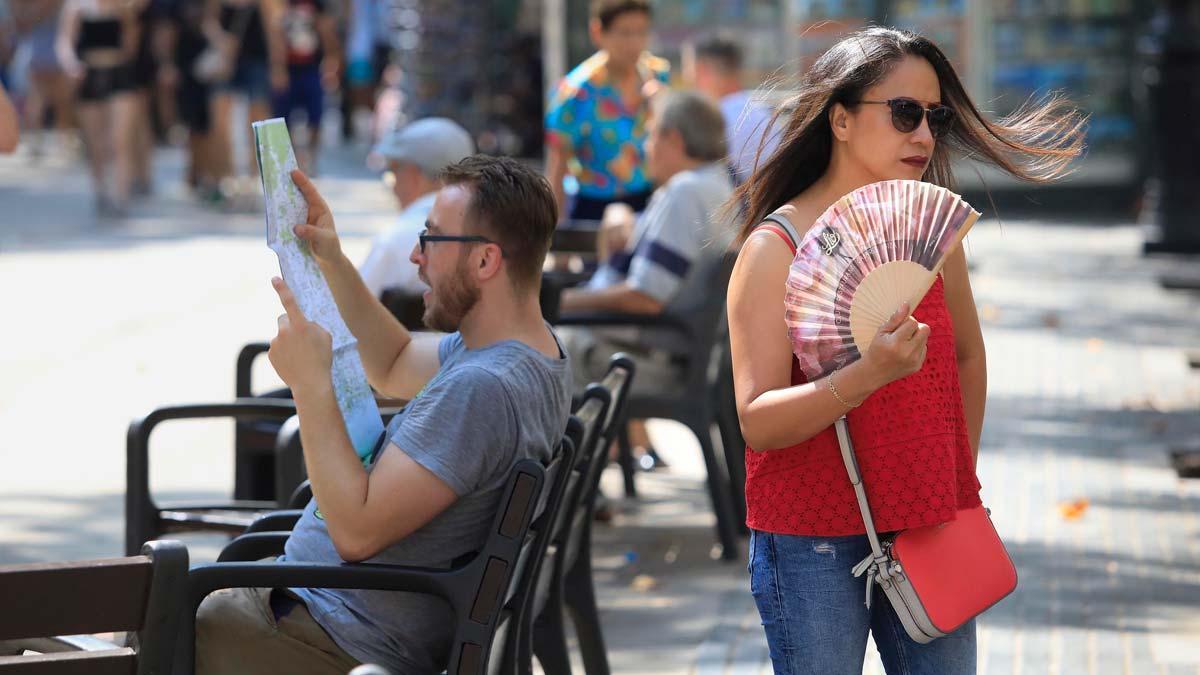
x=1088 y=388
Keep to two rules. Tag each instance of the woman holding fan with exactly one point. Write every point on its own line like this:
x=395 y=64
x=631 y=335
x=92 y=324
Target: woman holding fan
x=880 y=105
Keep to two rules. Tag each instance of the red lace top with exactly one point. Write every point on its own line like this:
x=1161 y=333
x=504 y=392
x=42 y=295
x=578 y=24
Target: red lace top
x=911 y=440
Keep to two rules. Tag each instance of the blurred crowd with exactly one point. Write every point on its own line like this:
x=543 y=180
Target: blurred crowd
x=119 y=76
x=109 y=80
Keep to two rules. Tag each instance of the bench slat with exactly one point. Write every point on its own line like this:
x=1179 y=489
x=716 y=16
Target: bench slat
x=45 y=599
x=109 y=662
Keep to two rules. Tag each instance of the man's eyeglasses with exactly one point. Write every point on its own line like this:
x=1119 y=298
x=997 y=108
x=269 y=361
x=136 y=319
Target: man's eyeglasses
x=424 y=238
x=907 y=115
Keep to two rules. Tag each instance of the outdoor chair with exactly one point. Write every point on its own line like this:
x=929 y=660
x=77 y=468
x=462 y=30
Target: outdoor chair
x=730 y=427
x=542 y=628
x=146 y=519
x=690 y=402
x=144 y=594
x=488 y=592
x=566 y=583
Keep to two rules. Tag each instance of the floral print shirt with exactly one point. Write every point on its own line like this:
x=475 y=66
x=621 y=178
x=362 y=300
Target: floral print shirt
x=588 y=121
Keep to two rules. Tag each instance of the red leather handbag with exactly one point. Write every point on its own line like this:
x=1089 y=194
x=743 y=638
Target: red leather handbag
x=936 y=577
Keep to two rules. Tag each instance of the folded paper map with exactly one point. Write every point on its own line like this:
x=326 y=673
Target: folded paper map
x=286 y=208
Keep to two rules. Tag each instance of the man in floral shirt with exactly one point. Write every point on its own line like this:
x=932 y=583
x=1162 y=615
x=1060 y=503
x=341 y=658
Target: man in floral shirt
x=596 y=121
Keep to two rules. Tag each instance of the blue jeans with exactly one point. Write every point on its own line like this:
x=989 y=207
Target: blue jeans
x=816 y=621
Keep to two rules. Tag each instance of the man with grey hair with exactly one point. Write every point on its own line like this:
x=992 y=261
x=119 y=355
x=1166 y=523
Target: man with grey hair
x=416 y=154
x=659 y=261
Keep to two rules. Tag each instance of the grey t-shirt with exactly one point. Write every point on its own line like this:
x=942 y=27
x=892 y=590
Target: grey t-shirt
x=485 y=410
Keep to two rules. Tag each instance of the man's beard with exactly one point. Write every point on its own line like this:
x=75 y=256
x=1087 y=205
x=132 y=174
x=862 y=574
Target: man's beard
x=451 y=301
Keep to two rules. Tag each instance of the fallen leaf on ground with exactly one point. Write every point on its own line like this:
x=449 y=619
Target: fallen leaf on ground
x=643 y=583
x=1074 y=509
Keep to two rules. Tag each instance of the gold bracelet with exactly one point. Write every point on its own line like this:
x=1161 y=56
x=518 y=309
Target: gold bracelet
x=833 y=390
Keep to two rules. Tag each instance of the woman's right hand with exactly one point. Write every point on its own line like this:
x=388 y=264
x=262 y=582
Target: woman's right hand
x=318 y=230
x=899 y=347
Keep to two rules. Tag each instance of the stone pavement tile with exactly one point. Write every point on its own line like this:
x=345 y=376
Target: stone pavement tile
x=1082 y=406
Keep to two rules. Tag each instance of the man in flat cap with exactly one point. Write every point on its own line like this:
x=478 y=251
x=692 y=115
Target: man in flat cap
x=415 y=153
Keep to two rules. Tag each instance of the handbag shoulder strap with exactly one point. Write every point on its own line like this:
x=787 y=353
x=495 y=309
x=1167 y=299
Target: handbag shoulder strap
x=842 y=427
x=787 y=227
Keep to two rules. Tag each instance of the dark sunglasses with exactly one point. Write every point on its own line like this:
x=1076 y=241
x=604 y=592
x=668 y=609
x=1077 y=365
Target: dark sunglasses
x=907 y=115
x=424 y=238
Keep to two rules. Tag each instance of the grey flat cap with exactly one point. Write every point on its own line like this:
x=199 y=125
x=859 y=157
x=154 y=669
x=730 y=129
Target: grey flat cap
x=431 y=144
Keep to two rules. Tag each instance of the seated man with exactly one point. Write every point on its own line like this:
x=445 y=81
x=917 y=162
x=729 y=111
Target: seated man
x=494 y=391
x=660 y=260
x=415 y=153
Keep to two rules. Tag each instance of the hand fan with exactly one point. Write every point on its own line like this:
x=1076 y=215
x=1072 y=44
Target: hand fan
x=874 y=249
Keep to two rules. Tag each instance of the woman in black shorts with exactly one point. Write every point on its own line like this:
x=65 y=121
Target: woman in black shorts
x=97 y=40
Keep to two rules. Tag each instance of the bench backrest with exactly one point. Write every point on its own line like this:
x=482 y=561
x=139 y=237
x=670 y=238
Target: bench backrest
x=143 y=593
x=510 y=559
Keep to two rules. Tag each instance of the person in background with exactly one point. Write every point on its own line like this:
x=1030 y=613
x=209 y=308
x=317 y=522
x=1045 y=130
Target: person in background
x=96 y=43
x=596 y=121
x=145 y=77
x=416 y=155
x=259 y=68
x=661 y=260
x=367 y=56
x=9 y=127
x=716 y=71
x=182 y=39
x=8 y=42
x=310 y=38
x=36 y=24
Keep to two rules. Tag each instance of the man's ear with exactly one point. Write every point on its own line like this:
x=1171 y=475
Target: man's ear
x=839 y=121
x=675 y=138
x=489 y=262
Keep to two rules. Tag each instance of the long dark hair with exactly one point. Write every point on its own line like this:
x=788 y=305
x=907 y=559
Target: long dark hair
x=1034 y=143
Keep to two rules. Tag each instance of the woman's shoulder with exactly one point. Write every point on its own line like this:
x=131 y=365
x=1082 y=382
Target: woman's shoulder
x=766 y=251
x=798 y=217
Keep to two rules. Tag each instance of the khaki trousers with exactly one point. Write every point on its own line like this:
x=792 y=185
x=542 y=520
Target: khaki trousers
x=237 y=634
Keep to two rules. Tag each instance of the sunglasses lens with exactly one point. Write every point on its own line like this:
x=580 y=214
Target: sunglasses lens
x=906 y=115
x=941 y=119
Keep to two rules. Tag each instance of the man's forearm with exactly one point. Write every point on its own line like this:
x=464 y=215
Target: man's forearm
x=337 y=476
x=618 y=298
x=380 y=336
